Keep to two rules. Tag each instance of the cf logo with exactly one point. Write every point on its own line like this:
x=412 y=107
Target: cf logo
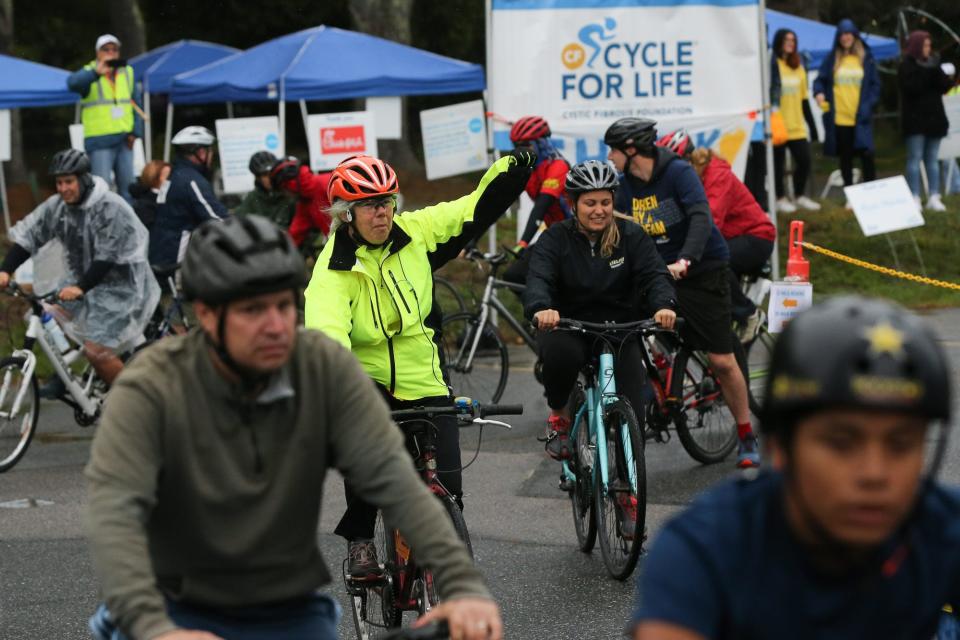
x=573 y=56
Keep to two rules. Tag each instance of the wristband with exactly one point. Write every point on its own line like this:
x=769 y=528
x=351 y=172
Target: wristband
x=686 y=263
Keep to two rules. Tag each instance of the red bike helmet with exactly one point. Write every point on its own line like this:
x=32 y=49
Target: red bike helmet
x=529 y=128
x=678 y=141
x=361 y=177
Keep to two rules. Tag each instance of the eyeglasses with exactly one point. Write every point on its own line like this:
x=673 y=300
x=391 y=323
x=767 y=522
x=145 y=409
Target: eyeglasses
x=376 y=203
x=109 y=48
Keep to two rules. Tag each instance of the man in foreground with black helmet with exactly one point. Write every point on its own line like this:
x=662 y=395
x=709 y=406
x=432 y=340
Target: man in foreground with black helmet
x=105 y=287
x=265 y=200
x=664 y=195
x=206 y=473
x=851 y=536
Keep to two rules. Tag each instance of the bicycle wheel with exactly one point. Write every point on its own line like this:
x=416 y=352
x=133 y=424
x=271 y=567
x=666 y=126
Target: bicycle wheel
x=759 y=352
x=381 y=600
x=705 y=425
x=621 y=506
x=482 y=377
x=448 y=297
x=581 y=495
x=16 y=431
x=431 y=591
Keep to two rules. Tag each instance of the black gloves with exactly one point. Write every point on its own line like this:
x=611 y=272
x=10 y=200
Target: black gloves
x=522 y=160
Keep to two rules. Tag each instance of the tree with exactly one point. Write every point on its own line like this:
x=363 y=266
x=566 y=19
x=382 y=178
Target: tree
x=126 y=20
x=17 y=167
x=389 y=19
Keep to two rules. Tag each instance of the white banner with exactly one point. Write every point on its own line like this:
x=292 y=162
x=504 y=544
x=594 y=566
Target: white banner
x=885 y=205
x=454 y=139
x=333 y=137
x=582 y=64
x=240 y=138
x=5 y=154
x=950 y=146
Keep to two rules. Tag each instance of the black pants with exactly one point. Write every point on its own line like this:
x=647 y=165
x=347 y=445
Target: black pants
x=360 y=518
x=755 y=176
x=748 y=254
x=845 y=139
x=800 y=151
x=564 y=354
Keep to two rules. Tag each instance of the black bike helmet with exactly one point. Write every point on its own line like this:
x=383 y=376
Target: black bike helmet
x=69 y=162
x=591 y=175
x=640 y=133
x=855 y=353
x=238 y=258
x=262 y=162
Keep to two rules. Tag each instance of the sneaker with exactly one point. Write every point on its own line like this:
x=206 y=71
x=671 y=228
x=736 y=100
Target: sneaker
x=808 y=203
x=362 y=559
x=558 y=444
x=750 y=327
x=748 y=455
x=934 y=203
x=918 y=202
x=785 y=206
x=626 y=513
x=54 y=389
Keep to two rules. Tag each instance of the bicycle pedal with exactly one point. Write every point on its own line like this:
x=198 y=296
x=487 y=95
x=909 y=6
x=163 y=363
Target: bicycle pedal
x=566 y=485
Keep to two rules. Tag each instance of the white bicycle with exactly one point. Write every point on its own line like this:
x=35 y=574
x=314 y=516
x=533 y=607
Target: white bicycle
x=19 y=393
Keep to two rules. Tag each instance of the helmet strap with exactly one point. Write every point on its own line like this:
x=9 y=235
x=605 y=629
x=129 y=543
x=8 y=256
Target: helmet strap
x=249 y=379
x=85 y=181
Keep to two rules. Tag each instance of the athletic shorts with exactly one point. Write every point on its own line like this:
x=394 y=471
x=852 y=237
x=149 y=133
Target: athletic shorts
x=703 y=301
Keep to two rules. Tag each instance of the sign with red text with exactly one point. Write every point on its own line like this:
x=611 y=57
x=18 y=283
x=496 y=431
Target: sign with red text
x=333 y=137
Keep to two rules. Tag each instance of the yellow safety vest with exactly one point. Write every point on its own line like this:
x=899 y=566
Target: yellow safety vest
x=107 y=107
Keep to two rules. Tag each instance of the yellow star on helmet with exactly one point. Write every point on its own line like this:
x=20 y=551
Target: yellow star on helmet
x=885 y=339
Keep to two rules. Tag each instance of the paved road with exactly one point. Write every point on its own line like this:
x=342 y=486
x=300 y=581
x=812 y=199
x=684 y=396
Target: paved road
x=519 y=522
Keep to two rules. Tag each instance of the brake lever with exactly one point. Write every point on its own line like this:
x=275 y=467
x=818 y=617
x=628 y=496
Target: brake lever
x=486 y=421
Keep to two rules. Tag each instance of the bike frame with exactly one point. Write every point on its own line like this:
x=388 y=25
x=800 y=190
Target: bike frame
x=82 y=395
x=599 y=396
x=489 y=300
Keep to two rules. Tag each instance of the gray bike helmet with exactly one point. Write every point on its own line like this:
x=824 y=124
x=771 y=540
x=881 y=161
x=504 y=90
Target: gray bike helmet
x=640 y=133
x=262 y=162
x=69 y=162
x=238 y=258
x=592 y=175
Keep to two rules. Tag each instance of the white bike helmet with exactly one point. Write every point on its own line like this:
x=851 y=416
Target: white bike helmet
x=195 y=137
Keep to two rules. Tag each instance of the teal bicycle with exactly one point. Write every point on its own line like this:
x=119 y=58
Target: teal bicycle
x=606 y=475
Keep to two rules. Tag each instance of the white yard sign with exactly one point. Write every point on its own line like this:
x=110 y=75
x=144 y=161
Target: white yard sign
x=454 y=139
x=787 y=300
x=5 y=155
x=240 y=138
x=884 y=205
x=333 y=137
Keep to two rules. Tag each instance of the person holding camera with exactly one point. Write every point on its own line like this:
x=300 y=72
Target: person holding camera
x=109 y=112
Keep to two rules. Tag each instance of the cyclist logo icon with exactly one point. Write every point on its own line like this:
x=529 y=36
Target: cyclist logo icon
x=592 y=35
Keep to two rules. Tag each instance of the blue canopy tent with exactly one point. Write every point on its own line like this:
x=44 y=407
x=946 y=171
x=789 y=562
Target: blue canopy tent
x=816 y=38
x=157 y=67
x=29 y=84
x=326 y=63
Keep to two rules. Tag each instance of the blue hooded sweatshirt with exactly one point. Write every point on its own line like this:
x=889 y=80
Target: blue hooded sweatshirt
x=869 y=94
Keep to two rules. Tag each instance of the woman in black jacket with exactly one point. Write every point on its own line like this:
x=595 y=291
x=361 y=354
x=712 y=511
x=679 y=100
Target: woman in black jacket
x=597 y=268
x=924 y=121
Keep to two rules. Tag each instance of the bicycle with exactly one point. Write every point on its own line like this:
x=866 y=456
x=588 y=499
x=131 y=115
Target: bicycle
x=19 y=392
x=475 y=358
x=433 y=631
x=606 y=474
x=171 y=320
x=402 y=584
x=447 y=296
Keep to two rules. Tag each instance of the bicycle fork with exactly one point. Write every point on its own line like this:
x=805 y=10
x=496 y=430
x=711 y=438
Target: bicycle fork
x=608 y=393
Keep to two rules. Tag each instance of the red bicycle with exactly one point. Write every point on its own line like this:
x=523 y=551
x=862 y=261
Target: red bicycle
x=403 y=585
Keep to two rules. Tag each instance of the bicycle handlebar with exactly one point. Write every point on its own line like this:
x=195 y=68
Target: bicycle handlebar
x=647 y=325
x=462 y=407
x=15 y=289
x=434 y=631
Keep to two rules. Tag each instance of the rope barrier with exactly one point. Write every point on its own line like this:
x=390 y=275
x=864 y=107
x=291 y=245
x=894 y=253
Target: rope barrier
x=875 y=267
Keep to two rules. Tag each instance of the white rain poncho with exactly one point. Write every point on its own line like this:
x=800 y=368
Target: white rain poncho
x=104 y=227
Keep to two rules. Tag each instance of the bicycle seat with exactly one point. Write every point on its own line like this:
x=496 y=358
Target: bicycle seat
x=164 y=271
x=498 y=259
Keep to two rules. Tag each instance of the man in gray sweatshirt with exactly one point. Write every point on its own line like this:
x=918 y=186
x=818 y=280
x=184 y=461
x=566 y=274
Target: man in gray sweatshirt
x=206 y=474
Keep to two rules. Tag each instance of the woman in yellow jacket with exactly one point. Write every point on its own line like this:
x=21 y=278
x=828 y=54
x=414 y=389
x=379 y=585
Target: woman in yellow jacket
x=372 y=291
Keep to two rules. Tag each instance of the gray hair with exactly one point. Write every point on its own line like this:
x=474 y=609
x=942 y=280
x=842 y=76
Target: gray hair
x=338 y=211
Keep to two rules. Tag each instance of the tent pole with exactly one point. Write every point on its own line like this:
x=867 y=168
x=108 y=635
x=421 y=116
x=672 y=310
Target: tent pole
x=147 y=127
x=283 y=124
x=767 y=138
x=488 y=28
x=169 y=131
x=304 y=114
x=3 y=198
x=230 y=110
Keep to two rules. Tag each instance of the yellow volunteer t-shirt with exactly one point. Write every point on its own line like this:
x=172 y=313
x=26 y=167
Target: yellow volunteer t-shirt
x=846 y=90
x=793 y=91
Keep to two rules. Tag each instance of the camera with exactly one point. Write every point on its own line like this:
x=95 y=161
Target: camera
x=116 y=63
